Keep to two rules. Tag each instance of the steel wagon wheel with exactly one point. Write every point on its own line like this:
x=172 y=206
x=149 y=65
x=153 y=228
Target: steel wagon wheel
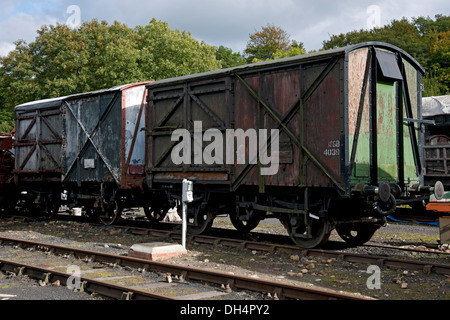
x=356 y=234
x=244 y=226
x=111 y=215
x=205 y=220
x=297 y=230
x=154 y=214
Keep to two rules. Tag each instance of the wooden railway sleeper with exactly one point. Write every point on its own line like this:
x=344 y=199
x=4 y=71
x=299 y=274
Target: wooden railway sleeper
x=20 y=271
x=127 y=296
x=230 y=285
x=45 y=279
x=427 y=269
x=278 y=294
x=83 y=286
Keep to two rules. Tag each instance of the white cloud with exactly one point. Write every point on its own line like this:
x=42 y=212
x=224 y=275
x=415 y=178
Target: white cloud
x=5 y=48
x=218 y=22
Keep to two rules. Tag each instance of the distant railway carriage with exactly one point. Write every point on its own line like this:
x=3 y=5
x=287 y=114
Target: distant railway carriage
x=349 y=148
x=437 y=148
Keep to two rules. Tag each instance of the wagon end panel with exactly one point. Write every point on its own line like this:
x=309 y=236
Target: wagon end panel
x=383 y=118
x=359 y=115
x=133 y=136
x=412 y=139
x=93 y=136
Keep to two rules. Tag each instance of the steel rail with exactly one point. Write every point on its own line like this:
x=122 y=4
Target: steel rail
x=86 y=284
x=427 y=267
x=282 y=290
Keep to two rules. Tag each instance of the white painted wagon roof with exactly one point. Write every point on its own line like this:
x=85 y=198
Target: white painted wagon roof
x=56 y=102
x=433 y=106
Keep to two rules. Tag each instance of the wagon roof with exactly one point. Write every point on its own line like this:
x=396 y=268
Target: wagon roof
x=293 y=60
x=434 y=106
x=56 y=102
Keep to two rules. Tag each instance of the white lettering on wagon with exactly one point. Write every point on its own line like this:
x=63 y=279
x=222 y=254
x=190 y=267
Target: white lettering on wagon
x=236 y=151
x=333 y=149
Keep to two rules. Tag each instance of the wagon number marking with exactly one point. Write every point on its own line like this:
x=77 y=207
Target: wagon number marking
x=333 y=148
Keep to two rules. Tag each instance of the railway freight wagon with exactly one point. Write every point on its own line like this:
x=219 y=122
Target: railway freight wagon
x=85 y=150
x=436 y=110
x=321 y=141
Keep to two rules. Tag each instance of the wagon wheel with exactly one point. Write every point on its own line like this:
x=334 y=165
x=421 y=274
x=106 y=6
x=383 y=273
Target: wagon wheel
x=111 y=215
x=319 y=232
x=154 y=214
x=205 y=220
x=356 y=234
x=51 y=208
x=244 y=226
x=93 y=213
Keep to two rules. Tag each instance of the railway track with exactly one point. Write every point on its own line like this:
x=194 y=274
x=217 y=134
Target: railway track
x=279 y=243
x=224 y=284
x=381 y=261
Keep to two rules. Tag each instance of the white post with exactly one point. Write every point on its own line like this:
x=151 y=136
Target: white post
x=184 y=226
x=188 y=197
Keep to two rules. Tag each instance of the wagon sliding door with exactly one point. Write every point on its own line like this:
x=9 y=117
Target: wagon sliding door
x=92 y=127
x=38 y=145
x=303 y=102
x=195 y=106
x=382 y=122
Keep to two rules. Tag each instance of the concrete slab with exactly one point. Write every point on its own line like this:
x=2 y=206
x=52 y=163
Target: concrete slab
x=156 y=251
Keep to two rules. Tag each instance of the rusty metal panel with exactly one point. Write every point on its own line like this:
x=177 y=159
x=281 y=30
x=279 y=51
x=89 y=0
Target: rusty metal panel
x=414 y=92
x=444 y=228
x=281 y=92
x=359 y=115
x=266 y=100
x=336 y=116
x=324 y=128
x=387 y=131
x=383 y=116
x=6 y=142
x=247 y=117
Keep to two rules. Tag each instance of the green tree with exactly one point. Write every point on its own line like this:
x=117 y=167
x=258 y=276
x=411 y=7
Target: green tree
x=228 y=58
x=440 y=61
x=96 y=55
x=166 y=53
x=263 y=44
x=296 y=49
x=424 y=38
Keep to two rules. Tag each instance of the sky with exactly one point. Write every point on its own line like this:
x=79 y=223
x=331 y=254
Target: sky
x=217 y=22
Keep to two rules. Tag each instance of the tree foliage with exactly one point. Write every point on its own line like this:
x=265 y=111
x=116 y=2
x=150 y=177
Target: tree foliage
x=264 y=44
x=96 y=55
x=427 y=40
x=228 y=58
x=296 y=49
